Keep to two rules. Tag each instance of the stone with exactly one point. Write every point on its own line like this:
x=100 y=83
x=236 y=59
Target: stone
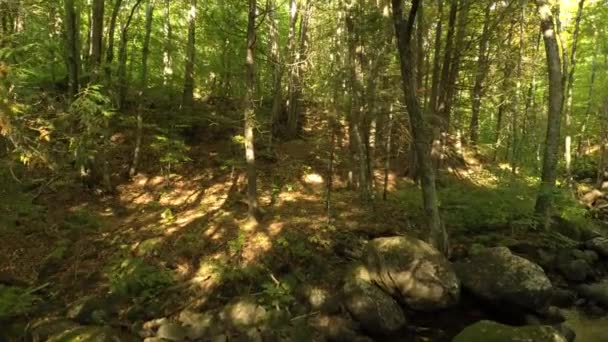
x=172 y=332
x=598 y=245
x=243 y=313
x=335 y=328
x=505 y=280
x=219 y=338
x=320 y=299
x=575 y=270
x=94 y=309
x=563 y=298
x=375 y=310
x=199 y=324
x=597 y=293
x=413 y=272
x=489 y=331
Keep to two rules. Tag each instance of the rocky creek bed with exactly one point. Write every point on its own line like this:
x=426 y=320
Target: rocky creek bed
x=398 y=288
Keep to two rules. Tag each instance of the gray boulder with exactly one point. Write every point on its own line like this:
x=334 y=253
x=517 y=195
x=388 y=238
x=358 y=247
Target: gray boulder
x=598 y=245
x=376 y=311
x=489 y=331
x=413 y=272
x=505 y=280
x=597 y=292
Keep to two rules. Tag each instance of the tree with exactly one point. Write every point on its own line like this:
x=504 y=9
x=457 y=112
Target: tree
x=545 y=196
x=249 y=120
x=111 y=31
x=72 y=34
x=188 y=93
x=96 y=38
x=420 y=131
x=276 y=66
x=122 y=57
x=480 y=75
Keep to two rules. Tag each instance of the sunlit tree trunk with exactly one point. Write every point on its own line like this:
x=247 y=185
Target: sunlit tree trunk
x=72 y=34
x=505 y=100
x=188 y=93
x=480 y=75
x=292 y=69
x=277 y=68
x=111 y=31
x=583 y=130
x=122 y=57
x=432 y=107
x=544 y=200
x=167 y=56
x=420 y=130
x=96 y=38
x=252 y=197
x=569 y=86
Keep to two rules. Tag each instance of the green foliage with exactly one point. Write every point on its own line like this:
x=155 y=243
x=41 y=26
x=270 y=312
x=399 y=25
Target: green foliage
x=278 y=294
x=135 y=277
x=172 y=151
x=15 y=301
x=90 y=115
x=82 y=220
x=235 y=246
x=167 y=216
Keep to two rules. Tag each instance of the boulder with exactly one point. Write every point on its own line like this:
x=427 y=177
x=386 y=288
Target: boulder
x=574 y=270
x=376 y=311
x=598 y=245
x=505 y=280
x=200 y=324
x=243 y=313
x=489 y=331
x=334 y=328
x=172 y=332
x=413 y=272
x=597 y=292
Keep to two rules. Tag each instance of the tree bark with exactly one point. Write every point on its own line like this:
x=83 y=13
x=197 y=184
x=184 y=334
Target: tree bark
x=601 y=165
x=277 y=69
x=420 y=130
x=583 y=130
x=188 y=93
x=480 y=75
x=544 y=200
x=72 y=34
x=146 y=45
x=252 y=197
x=122 y=57
x=432 y=106
x=96 y=38
x=111 y=31
x=569 y=86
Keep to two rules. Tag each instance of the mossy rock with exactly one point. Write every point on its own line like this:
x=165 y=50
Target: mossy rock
x=488 y=331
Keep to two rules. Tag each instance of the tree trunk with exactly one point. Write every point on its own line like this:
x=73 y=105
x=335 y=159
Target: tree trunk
x=569 y=85
x=252 y=197
x=188 y=93
x=403 y=31
x=601 y=165
x=480 y=75
x=583 y=130
x=167 y=56
x=111 y=30
x=432 y=107
x=72 y=34
x=544 y=200
x=293 y=69
x=277 y=69
x=122 y=58
x=96 y=38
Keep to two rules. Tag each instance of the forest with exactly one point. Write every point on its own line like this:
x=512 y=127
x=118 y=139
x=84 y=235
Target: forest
x=304 y=170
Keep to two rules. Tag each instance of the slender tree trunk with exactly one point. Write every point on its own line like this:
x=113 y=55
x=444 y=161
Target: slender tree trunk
x=72 y=34
x=167 y=56
x=480 y=75
x=188 y=93
x=277 y=69
x=583 y=130
x=96 y=38
x=111 y=31
x=569 y=86
x=403 y=31
x=387 y=160
x=601 y=165
x=505 y=99
x=252 y=197
x=518 y=96
x=544 y=200
x=122 y=58
x=292 y=51
x=447 y=62
x=144 y=86
x=432 y=107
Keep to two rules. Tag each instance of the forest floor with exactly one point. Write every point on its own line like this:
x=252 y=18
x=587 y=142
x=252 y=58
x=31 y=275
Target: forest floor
x=170 y=242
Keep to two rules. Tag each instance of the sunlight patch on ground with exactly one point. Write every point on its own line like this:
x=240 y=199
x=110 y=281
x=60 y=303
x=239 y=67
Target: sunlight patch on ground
x=313 y=179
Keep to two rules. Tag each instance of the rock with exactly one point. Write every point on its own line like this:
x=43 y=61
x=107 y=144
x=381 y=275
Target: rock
x=199 y=324
x=93 y=309
x=588 y=255
x=565 y=331
x=495 y=332
x=93 y=334
x=563 y=298
x=413 y=272
x=597 y=292
x=172 y=331
x=598 y=245
x=505 y=280
x=335 y=328
x=219 y=338
x=243 y=313
x=376 y=311
x=251 y=335
x=572 y=230
x=575 y=270
x=320 y=299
